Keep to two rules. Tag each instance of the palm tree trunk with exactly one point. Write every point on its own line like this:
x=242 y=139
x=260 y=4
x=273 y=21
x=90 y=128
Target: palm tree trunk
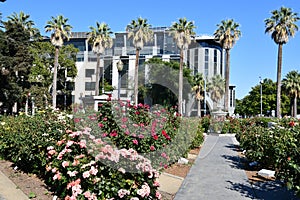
x=97 y=75
x=180 y=83
x=136 y=76
x=199 y=108
x=54 y=86
x=295 y=105
x=278 y=97
x=227 y=70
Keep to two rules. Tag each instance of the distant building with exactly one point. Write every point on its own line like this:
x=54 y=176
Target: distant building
x=204 y=55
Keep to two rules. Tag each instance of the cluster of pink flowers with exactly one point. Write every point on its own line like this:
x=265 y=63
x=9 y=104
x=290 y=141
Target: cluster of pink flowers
x=122 y=193
x=144 y=191
x=102 y=152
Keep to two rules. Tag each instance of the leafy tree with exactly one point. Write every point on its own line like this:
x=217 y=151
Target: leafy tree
x=227 y=34
x=100 y=39
x=139 y=31
x=198 y=88
x=161 y=76
x=40 y=76
x=60 y=31
x=216 y=88
x=291 y=84
x=15 y=58
x=250 y=104
x=281 y=25
x=182 y=32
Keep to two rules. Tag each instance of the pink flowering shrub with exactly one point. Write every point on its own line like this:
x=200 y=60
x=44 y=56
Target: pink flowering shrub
x=158 y=134
x=82 y=166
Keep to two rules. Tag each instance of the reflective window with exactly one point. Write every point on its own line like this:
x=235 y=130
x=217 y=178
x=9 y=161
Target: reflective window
x=89 y=72
x=90 y=86
x=206 y=56
x=215 y=61
x=196 y=59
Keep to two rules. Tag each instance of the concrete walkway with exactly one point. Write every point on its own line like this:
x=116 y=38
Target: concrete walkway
x=217 y=174
x=9 y=191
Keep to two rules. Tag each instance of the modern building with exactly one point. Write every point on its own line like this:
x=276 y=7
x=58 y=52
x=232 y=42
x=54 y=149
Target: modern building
x=204 y=55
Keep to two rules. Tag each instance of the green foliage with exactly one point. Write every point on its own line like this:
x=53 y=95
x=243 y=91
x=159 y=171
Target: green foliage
x=97 y=154
x=199 y=137
x=24 y=140
x=163 y=81
x=205 y=123
x=250 y=104
x=276 y=147
x=153 y=134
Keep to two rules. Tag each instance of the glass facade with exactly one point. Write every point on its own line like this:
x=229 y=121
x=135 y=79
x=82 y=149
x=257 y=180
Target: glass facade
x=215 y=61
x=89 y=72
x=206 y=63
x=108 y=69
x=90 y=86
x=124 y=72
x=196 y=60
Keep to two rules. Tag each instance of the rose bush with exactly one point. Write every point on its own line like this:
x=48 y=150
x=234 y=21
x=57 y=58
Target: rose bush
x=82 y=166
x=24 y=139
x=276 y=147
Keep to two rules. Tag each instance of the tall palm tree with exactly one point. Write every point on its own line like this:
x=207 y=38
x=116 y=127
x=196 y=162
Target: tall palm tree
x=22 y=20
x=60 y=31
x=227 y=34
x=292 y=84
x=281 y=25
x=139 y=30
x=216 y=88
x=100 y=38
x=198 y=88
x=182 y=32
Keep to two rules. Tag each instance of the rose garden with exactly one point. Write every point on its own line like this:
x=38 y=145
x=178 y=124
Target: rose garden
x=120 y=151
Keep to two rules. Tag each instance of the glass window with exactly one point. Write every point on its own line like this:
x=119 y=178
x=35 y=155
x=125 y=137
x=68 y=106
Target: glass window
x=124 y=72
x=90 y=86
x=196 y=61
x=206 y=62
x=215 y=62
x=89 y=72
x=108 y=70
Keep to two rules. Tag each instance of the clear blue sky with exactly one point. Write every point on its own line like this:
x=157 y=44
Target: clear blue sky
x=254 y=55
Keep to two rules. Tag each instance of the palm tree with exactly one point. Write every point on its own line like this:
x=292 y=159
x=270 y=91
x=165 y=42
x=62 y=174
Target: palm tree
x=22 y=20
x=281 y=25
x=100 y=38
x=198 y=88
x=291 y=83
x=227 y=34
x=216 y=88
x=182 y=32
x=140 y=32
x=60 y=31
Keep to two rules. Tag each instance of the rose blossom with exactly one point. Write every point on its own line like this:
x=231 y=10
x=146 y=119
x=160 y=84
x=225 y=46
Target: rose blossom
x=65 y=164
x=123 y=192
x=135 y=142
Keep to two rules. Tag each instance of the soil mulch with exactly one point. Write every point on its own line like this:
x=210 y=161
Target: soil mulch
x=30 y=184
x=182 y=170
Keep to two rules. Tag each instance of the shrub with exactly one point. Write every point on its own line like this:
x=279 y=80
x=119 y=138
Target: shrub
x=24 y=139
x=82 y=165
x=276 y=148
x=160 y=135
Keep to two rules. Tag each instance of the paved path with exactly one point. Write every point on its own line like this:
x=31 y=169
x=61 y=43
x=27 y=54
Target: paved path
x=217 y=175
x=9 y=191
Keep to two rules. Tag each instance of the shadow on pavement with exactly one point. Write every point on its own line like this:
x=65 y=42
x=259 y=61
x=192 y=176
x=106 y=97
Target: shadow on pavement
x=271 y=190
